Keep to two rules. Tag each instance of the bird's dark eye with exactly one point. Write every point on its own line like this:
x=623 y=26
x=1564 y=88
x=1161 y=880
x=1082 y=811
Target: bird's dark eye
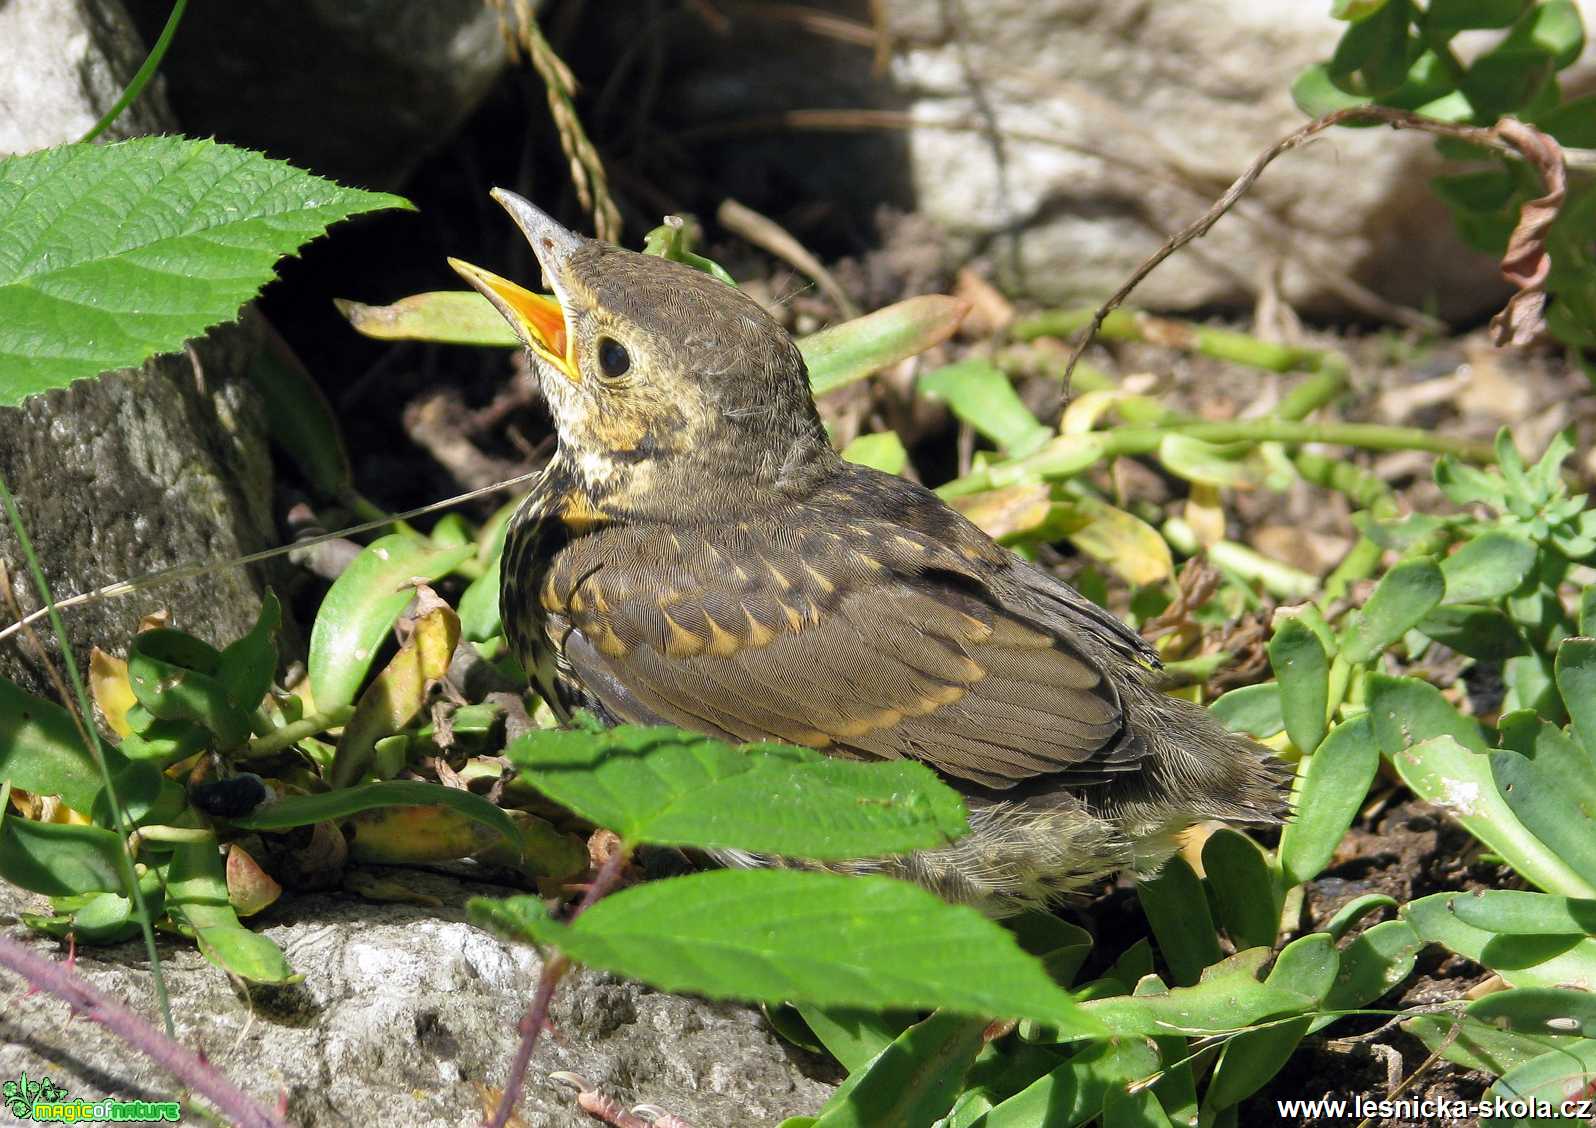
x=612 y=357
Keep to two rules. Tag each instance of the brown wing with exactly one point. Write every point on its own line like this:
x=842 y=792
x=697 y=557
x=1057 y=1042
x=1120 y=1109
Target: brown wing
x=871 y=640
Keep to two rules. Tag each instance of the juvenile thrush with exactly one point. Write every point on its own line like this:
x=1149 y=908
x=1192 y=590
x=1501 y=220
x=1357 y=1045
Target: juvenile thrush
x=697 y=554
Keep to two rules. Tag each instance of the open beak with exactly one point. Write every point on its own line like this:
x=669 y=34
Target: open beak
x=536 y=318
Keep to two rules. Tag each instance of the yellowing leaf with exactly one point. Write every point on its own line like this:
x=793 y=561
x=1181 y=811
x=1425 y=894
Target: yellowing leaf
x=112 y=692
x=1125 y=543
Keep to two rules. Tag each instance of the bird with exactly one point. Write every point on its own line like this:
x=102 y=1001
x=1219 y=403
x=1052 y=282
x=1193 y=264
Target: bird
x=696 y=553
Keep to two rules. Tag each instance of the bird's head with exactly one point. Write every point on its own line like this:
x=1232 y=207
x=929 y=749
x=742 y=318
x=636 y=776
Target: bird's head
x=657 y=374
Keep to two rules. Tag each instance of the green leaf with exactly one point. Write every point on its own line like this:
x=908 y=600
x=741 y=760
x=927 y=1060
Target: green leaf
x=1447 y=17
x=299 y=419
x=807 y=938
x=303 y=810
x=1407 y=711
x=844 y=353
x=1486 y=633
x=479 y=603
x=854 y=1036
x=196 y=893
x=1256 y=710
x=362 y=605
x=1575 y=668
x=1483 y=190
x=979 y=393
x=177 y=678
x=1521 y=961
x=1352 y=10
x=1522 y=912
x=1124 y=1109
x=1303 y=670
x=1229 y=997
x=1330 y=788
x=1245 y=893
x=1464 y=782
x=1563 y=1074
x=1538 y=1010
x=913 y=1081
x=448 y=317
x=1488 y=567
x=1373 y=55
x=59 y=859
x=1250 y=1060
x=1573 y=123
x=671 y=240
x=1197 y=460
x=1505 y=79
x=1401 y=599
x=246 y=666
x=1550 y=812
x=113 y=253
x=41 y=751
x=1177 y=910
x=1075 y=1092
x=1356 y=909
x=672 y=788
x=1316 y=93
x=1553 y=27
x=881 y=451
x=1557 y=753
x=1377 y=960
x=1473 y=1044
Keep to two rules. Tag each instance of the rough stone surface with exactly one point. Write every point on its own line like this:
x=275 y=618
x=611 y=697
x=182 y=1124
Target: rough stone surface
x=383 y=83
x=407 y=1015
x=1120 y=123
x=137 y=470
x=62 y=64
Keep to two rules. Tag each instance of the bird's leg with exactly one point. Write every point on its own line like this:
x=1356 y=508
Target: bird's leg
x=609 y=1110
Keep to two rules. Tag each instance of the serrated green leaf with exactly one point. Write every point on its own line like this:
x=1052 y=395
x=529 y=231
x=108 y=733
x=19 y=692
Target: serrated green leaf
x=673 y=788
x=914 y=1080
x=1330 y=788
x=362 y=605
x=110 y=254
x=807 y=938
x=1400 y=601
x=1303 y=670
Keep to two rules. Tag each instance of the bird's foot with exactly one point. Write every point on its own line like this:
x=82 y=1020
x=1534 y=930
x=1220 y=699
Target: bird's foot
x=610 y=1111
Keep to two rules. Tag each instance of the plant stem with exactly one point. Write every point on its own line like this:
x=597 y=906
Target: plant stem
x=554 y=970
x=178 y=1060
x=152 y=62
x=295 y=731
x=77 y=704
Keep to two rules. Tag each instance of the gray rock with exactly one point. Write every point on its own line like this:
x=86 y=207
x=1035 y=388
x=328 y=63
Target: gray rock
x=1120 y=123
x=358 y=90
x=406 y=1014
x=63 y=63
x=138 y=470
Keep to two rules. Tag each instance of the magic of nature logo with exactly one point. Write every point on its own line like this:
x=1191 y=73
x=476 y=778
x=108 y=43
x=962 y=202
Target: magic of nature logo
x=44 y=1101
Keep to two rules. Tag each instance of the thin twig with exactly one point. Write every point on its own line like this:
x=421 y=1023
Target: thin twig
x=768 y=235
x=554 y=970
x=181 y=1062
x=1486 y=137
